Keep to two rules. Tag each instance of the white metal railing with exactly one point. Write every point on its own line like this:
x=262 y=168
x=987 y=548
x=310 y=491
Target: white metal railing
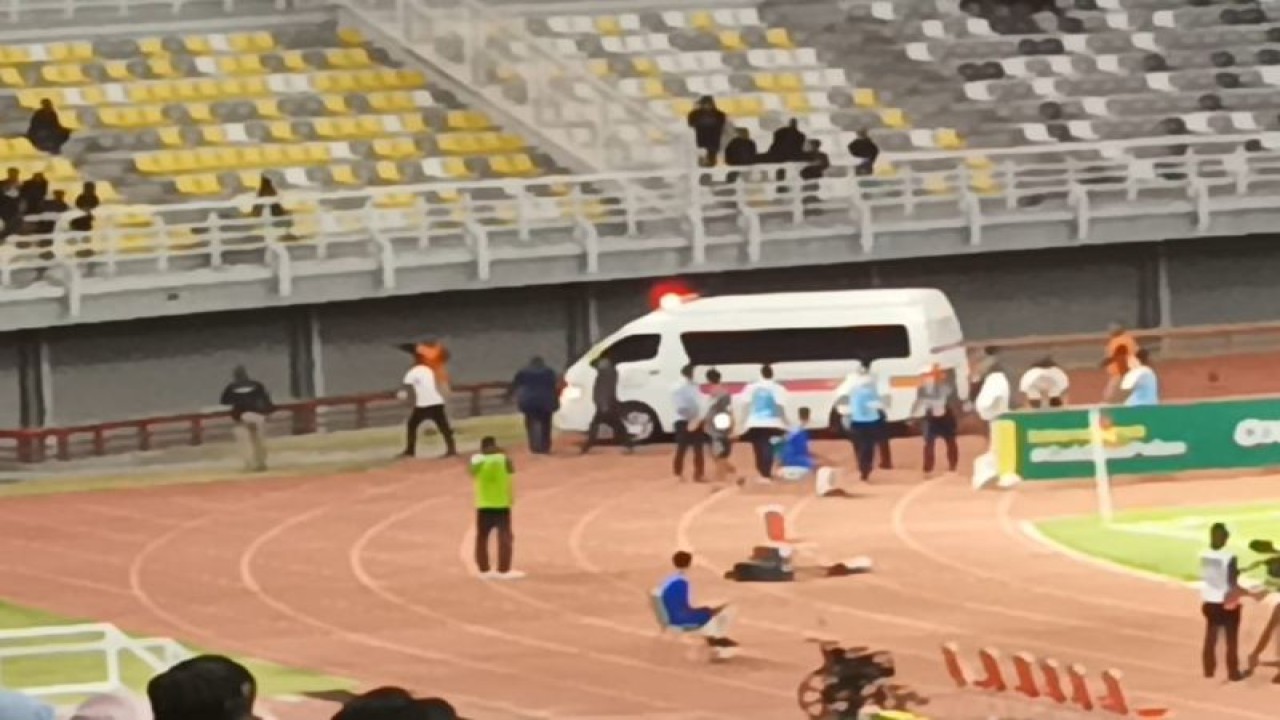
x=98 y=639
x=383 y=231
x=494 y=55
x=16 y=11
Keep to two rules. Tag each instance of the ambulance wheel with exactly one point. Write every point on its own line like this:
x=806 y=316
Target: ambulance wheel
x=810 y=695
x=641 y=422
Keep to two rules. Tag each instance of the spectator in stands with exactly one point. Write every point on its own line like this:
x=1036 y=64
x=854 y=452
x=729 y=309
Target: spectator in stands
x=16 y=706
x=1045 y=384
x=250 y=405
x=112 y=706
x=534 y=389
x=46 y=132
x=88 y=201
x=865 y=151
x=604 y=395
x=207 y=687
x=708 y=123
x=674 y=594
x=740 y=152
x=491 y=473
x=1121 y=347
x=1140 y=382
x=32 y=193
x=10 y=203
x=52 y=209
x=788 y=146
x=687 y=399
x=815 y=167
x=427 y=388
x=393 y=703
x=938 y=409
x=267 y=202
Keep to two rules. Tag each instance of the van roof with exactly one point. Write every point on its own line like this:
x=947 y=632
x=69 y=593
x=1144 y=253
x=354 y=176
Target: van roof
x=807 y=300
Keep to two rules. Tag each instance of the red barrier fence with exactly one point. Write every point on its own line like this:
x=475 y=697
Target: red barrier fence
x=353 y=412
x=363 y=411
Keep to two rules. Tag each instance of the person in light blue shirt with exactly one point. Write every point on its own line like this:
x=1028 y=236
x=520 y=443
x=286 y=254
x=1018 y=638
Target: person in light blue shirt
x=1141 y=382
x=766 y=418
x=689 y=435
x=865 y=417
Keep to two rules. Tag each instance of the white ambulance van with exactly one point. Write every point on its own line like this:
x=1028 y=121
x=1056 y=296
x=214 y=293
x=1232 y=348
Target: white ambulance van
x=812 y=339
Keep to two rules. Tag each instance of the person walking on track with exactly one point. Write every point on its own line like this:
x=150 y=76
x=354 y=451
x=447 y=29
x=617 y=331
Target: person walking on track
x=689 y=434
x=492 y=472
x=534 y=388
x=866 y=423
x=250 y=405
x=604 y=394
x=427 y=392
x=936 y=406
x=1220 y=595
x=717 y=426
x=765 y=403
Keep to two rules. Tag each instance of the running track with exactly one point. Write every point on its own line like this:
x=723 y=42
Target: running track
x=366 y=576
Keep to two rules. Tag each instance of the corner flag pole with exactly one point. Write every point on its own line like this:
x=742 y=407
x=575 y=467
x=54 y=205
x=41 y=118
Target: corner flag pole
x=1101 y=473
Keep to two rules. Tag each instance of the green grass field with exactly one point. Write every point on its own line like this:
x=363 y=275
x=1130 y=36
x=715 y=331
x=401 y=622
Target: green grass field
x=68 y=669
x=1166 y=541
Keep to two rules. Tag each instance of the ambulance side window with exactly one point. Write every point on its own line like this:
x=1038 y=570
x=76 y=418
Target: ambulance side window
x=634 y=348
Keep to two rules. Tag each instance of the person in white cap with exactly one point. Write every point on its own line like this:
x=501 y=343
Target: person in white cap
x=1045 y=385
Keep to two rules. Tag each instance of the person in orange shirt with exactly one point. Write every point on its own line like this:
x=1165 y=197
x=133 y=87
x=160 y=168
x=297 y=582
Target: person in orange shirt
x=1121 y=347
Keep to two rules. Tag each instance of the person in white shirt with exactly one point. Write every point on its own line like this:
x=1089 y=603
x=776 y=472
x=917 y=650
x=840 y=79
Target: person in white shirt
x=1045 y=384
x=764 y=404
x=1220 y=595
x=423 y=387
x=1141 y=382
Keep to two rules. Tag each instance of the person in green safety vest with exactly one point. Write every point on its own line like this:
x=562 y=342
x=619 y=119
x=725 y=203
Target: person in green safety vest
x=492 y=472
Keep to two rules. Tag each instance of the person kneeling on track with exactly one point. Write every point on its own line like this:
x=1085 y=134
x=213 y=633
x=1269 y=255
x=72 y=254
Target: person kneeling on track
x=712 y=622
x=796 y=460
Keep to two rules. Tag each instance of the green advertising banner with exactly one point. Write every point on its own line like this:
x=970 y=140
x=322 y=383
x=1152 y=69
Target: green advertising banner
x=1154 y=440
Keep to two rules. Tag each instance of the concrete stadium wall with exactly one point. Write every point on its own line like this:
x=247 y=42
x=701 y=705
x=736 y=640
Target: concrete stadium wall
x=117 y=370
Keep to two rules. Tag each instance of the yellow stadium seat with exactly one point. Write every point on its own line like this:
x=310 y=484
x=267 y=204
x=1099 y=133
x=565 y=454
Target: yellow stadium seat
x=282 y=130
x=413 y=123
x=201 y=184
x=251 y=42
x=937 y=185
x=163 y=67
x=645 y=66
x=390 y=101
x=731 y=41
x=983 y=182
x=350 y=36
x=70 y=52
x=64 y=74
x=779 y=38
x=241 y=65
x=117 y=70
x=778 y=82
x=336 y=104
x=395 y=148
x=701 y=20
x=599 y=67
x=978 y=162
x=202 y=112
x=388 y=172
x=70 y=119
x=467 y=120
x=343 y=175
x=10 y=77
x=949 y=139
x=197 y=45
x=395 y=201
x=172 y=137
x=268 y=108
x=518 y=165
x=865 y=98
x=14 y=55
x=894 y=118
x=60 y=169
x=744 y=105
x=17 y=149
x=797 y=103
x=350 y=58
x=214 y=135
x=333 y=82
x=608 y=25
x=294 y=61
x=152 y=46
x=316 y=153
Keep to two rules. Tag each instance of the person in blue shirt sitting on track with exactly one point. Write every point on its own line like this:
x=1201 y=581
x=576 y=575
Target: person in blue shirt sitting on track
x=796 y=459
x=712 y=622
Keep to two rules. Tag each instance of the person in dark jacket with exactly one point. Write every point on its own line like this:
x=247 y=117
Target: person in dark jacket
x=10 y=204
x=815 y=167
x=865 y=151
x=46 y=132
x=32 y=193
x=708 y=124
x=604 y=394
x=250 y=405
x=534 y=388
x=740 y=152
x=87 y=200
x=788 y=144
